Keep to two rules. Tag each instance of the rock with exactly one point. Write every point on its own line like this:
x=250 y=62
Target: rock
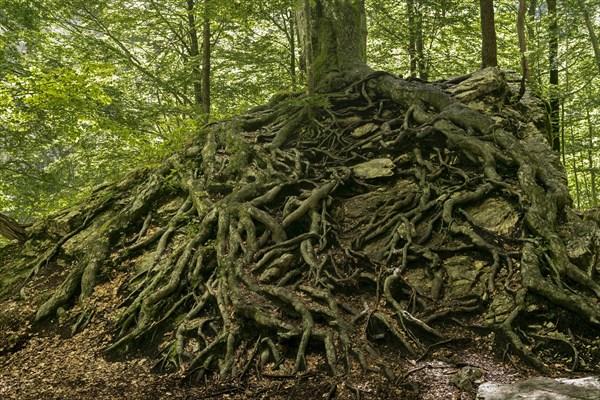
x=376 y=168
x=363 y=130
x=465 y=276
x=542 y=388
x=583 y=240
x=495 y=214
x=466 y=377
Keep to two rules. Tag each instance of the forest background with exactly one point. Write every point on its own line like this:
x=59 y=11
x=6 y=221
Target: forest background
x=91 y=89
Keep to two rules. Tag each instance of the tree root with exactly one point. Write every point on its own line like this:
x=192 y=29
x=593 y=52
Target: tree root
x=265 y=248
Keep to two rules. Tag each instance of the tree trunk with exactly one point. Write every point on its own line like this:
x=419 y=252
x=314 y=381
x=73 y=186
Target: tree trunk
x=412 y=37
x=338 y=40
x=522 y=45
x=591 y=154
x=206 y=61
x=489 y=50
x=575 y=169
x=11 y=229
x=194 y=51
x=292 y=43
x=553 y=62
x=591 y=32
x=532 y=38
x=306 y=34
x=423 y=69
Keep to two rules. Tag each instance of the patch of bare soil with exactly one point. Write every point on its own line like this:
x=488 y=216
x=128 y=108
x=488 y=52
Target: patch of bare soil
x=47 y=362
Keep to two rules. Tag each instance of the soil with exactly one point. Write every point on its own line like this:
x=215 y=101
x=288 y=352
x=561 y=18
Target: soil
x=47 y=362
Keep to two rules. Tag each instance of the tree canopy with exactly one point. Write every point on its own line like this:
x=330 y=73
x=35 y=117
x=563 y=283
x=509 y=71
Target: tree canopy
x=90 y=89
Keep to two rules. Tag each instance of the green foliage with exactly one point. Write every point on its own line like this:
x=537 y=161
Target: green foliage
x=62 y=135
x=91 y=89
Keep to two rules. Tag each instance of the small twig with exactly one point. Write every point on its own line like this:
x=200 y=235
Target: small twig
x=440 y=343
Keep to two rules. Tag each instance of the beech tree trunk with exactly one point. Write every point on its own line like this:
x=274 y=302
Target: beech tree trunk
x=194 y=51
x=489 y=49
x=591 y=154
x=412 y=37
x=307 y=32
x=553 y=62
x=206 y=61
x=534 y=63
x=290 y=33
x=416 y=51
x=522 y=39
x=338 y=40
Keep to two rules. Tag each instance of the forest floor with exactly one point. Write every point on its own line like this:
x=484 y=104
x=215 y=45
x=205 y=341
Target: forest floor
x=46 y=362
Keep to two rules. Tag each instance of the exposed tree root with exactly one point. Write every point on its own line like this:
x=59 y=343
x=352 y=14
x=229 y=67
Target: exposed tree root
x=11 y=229
x=276 y=236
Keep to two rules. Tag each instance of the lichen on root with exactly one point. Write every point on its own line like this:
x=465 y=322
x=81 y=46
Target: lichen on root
x=274 y=235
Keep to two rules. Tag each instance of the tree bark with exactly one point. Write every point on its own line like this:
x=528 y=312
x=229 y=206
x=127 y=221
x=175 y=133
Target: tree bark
x=194 y=50
x=592 y=33
x=292 y=41
x=534 y=64
x=206 y=62
x=11 y=229
x=412 y=37
x=338 y=39
x=554 y=97
x=522 y=39
x=423 y=71
x=308 y=49
x=568 y=118
x=522 y=45
x=591 y=152
x=489 y=49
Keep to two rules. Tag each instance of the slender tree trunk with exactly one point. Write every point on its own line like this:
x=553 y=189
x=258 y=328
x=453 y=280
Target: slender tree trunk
x=292 y=43
x=562 y=99
x=489 y=49
x=423 y=72
x=534 y=64
x=522 y=39
x=194 y=53
x=575 y=170
x=592 y=33
x=591 y=154
x=206 y=61
x=11 y=229
x=562 y=130
x=412 y=37
x=554 y=97
x=567 y=120
x=586 y=185
x=522 y=45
